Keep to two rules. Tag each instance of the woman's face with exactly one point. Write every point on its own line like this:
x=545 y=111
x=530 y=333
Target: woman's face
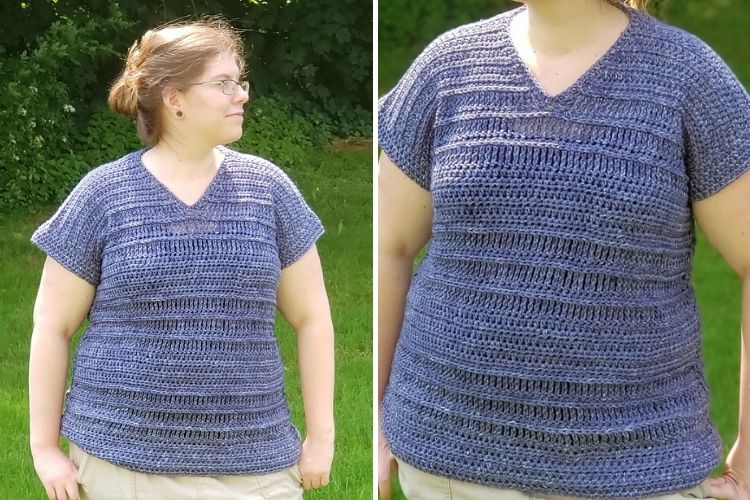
x=209 y=114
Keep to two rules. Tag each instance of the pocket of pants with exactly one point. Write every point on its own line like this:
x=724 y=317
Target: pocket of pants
x=418 y=484
x=297 y=472
x=703 y=490
x=284 y=484
x=78 y=458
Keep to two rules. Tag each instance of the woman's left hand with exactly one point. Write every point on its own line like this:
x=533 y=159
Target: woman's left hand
x=315 y=461
x=734 y=483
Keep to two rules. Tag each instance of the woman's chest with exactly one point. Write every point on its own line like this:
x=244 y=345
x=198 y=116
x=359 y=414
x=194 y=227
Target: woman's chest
x=584 y=163
x=223 y=249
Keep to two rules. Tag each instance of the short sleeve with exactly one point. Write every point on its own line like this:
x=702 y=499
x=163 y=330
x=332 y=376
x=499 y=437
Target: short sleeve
x=297 y=226
x=717 y=126
x=73 y=235
x=406 y=117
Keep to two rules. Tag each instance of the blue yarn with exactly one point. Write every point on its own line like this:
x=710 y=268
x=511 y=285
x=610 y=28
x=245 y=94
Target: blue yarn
x=179 y=372
x=551 y=340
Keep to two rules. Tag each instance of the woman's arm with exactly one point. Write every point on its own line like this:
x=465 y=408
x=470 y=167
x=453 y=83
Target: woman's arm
x=404 y=227
x=744 y=425
x=62 y=302
x=725 y=220
x=302 y=299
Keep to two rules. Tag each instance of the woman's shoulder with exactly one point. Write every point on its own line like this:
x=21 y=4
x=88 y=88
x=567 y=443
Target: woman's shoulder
x=257 y=167
x=475 y=31
x=458 y=45
x=250 y=163
x=104 y=176
x=469 y=37
x=659 y=39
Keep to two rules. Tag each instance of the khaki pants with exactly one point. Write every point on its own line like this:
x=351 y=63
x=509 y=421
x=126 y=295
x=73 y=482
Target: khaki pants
x=102 y=480
x=420 y=485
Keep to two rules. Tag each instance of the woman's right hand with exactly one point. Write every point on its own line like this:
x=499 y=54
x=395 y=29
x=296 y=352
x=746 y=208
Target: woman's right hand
x=57 y=473
x=386 y=466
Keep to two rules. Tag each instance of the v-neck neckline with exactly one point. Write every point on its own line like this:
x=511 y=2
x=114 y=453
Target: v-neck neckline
x=170 y=194
x=583 y=78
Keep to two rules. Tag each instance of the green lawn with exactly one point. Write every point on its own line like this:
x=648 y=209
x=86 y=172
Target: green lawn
x=337 y=183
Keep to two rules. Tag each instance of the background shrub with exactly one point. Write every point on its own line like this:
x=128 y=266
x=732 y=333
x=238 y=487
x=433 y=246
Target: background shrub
x=40 y=96
x=310 y=65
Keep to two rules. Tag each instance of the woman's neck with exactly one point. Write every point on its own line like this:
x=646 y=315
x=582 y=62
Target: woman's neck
x=185 y=161
x=556 y=27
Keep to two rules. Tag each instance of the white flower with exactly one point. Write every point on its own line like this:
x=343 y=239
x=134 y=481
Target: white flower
x=22 y=111
x=68 y=108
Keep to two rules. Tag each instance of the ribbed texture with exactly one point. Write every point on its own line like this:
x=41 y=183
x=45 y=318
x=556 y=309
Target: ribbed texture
x=179 y=371
x=551 y=340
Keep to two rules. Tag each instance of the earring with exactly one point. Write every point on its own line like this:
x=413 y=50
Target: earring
x=179 y=114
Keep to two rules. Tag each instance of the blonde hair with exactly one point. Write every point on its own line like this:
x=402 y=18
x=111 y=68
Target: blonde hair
x=169 y=56
x=641 y=5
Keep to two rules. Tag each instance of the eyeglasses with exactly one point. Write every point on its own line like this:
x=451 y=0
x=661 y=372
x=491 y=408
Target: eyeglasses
x=229 y=87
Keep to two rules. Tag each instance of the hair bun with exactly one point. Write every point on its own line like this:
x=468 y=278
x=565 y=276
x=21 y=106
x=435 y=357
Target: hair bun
x=169 y=56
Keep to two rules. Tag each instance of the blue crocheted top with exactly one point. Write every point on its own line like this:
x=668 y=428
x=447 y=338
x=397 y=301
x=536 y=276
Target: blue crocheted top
x=551 y=341
x=179 y=371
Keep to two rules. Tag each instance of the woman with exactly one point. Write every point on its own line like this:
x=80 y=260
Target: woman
x=548 y=346
x=180 y=254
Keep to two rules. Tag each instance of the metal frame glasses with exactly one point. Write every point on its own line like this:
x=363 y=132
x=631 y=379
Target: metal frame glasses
x=228 y=87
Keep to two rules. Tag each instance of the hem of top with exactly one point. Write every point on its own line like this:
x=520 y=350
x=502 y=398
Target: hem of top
x=184 y=471
x=608 y=496
x=39 y=240
x=730 y=179
x=385 y=146
x=303 y=249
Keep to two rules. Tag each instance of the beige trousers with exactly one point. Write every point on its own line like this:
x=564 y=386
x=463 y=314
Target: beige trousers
x=420 y=485
x=102 y=480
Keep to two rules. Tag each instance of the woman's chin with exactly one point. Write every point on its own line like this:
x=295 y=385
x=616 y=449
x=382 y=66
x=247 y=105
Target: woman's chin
x=233 y=136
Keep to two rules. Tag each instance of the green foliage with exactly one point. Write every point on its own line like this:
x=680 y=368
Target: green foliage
x=283 y=130
x=38 y=111
x=318 y=52
x=312 y=61
x=343 y=120
x=108 y=136
x=352 y=122
x=30 y=118
x=276 y=132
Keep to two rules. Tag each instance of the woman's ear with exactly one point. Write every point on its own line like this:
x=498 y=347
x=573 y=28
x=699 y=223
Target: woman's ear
x=172 y=99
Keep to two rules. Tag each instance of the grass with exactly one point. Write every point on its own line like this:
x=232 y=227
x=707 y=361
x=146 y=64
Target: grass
x=722 y=24
x=336 y=182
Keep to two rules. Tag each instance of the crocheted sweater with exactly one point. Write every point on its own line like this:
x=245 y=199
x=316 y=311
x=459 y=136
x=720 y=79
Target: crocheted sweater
x=179 y=371
x=551 y=341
